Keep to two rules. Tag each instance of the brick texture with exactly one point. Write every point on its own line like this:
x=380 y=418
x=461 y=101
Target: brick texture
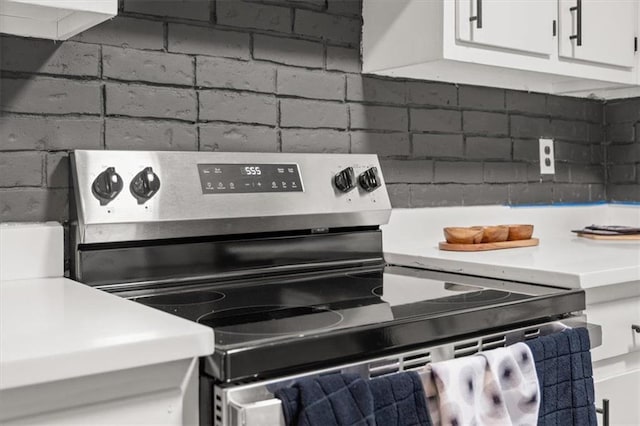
x=21 y=169
x=126 y=32
x=313 y=114
x=622 y=136
x=343 y=59
x=43 y=133
x=383 y=144
x=208 y=41
x=218 y=105
x=378 y=117
x=233 y=74
x=252 y=15
x=146 y=101
x=149 y=134
x=371 y=89
x=186 y=9
x=310 y=84
x=436 y=146
x=305 y=140
x=238 y=137
x=284 y=75
x=153 y=67
x=50 y=96
x=438 y=120
x=49 y=57
x=288 y=51
x=331 y=27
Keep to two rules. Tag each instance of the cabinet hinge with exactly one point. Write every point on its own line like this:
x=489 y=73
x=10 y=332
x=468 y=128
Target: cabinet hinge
x=635 y=44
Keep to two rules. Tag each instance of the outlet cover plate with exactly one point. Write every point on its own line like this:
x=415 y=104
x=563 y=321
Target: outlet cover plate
x=547 y=158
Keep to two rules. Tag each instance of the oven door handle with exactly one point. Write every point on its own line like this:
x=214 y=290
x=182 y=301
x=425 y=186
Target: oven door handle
x=266 y=412
x=269 y=411
x=595 y=330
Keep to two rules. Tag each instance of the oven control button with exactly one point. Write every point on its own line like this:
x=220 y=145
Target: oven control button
x=107 y=186
x=345 y=180
x=145 y=185
x=369 y=179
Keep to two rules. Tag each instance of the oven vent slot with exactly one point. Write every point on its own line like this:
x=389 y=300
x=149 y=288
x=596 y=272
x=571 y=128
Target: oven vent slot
x=494 y=342
x=217 y=409
x=466 y=348
x=531 y=333
x=416 y=361
x=410 y=361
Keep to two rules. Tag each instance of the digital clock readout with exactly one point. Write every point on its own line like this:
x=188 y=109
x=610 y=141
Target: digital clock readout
x=251 y=171
x=249 y=178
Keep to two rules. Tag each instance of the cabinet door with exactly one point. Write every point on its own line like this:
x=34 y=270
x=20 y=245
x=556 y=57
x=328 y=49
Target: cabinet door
x=607 y=30
x=623 y=393
x=523 y=25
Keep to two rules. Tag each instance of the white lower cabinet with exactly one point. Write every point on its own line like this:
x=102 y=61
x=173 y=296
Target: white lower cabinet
x=161 y=394
x=617 y=361
x=623 y=393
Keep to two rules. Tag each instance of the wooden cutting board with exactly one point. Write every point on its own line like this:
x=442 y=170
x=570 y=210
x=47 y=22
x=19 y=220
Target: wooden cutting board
x=610 y=237
x=488 y=246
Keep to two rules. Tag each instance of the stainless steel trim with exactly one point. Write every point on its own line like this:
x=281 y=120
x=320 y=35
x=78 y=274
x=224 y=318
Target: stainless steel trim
x=180 y=209
x=254 y=404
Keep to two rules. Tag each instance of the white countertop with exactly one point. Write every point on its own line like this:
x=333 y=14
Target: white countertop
x=561 y=259
x=54 y=328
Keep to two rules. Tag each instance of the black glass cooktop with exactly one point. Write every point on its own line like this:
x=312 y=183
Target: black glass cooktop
x=274 y=325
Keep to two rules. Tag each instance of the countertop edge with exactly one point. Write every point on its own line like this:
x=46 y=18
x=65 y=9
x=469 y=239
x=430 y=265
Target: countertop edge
x=517 y=273
x=185 y=340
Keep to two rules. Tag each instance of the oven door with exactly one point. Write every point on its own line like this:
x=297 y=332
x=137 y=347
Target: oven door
x=254 y=404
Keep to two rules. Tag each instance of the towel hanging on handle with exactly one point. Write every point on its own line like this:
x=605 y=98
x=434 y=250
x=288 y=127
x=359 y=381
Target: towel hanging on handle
x=563 y=365
x=347 y=400
x=497 y=387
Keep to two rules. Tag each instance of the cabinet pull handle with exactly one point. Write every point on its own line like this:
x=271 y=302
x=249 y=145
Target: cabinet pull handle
x=604 y=411
x=578 y=36
x=635 y=327
x=478 y=16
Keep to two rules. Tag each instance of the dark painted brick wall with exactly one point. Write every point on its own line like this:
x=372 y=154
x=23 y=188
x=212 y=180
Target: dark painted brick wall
x=276 y=75
x=622 y=134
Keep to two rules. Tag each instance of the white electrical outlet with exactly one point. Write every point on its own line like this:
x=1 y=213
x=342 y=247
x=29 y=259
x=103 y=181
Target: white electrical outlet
x=547 y=160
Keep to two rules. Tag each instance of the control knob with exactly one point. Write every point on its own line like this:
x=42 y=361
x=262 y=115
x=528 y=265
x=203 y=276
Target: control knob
x=145 y=185
x=369 y=179
x=345 y=180
x=107 y=185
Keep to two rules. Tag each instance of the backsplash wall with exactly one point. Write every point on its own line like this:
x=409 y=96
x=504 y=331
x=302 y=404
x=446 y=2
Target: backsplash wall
x=278 y=75
x=622 y=130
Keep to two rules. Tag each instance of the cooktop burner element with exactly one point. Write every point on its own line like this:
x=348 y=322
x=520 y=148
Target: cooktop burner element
x=271 y=320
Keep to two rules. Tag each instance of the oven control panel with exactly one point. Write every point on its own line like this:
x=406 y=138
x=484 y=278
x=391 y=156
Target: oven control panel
x=248 y=178
x=141 y=195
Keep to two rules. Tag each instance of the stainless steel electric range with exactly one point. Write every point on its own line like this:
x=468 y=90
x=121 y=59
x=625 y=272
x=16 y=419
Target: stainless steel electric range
x=281 y=255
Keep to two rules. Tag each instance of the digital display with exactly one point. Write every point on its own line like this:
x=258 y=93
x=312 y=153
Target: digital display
x=251 y=171
x=249 y=178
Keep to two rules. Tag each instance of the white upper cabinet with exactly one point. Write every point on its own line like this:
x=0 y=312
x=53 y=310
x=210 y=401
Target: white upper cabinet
x=516 y=44
x=53 y=19
x=599 y=31
x=525 y=26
